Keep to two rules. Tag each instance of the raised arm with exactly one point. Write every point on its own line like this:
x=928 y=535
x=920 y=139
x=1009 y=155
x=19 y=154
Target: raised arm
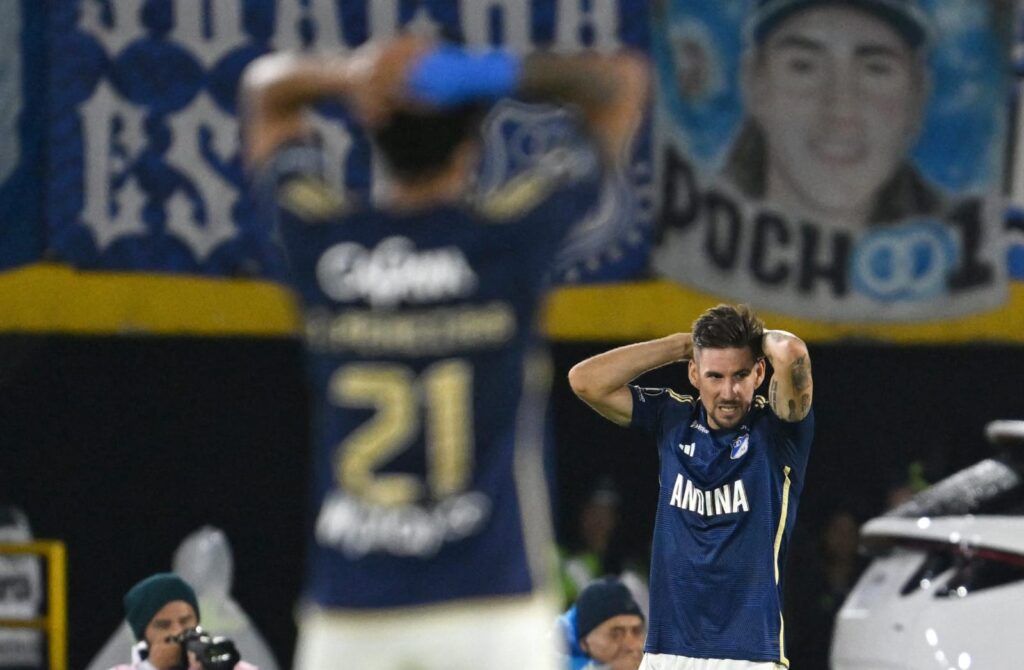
x=408 y=72
x=791 y=388
x=611 y=91
x=277 y=89
x=601 y=381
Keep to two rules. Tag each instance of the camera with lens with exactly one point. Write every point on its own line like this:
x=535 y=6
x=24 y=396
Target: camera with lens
x=213 y=653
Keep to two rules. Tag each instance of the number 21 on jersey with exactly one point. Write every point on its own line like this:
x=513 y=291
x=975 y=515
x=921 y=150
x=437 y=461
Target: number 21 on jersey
x=436 y=403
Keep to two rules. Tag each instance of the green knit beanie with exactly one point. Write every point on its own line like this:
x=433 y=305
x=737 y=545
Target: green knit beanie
x=149 y=596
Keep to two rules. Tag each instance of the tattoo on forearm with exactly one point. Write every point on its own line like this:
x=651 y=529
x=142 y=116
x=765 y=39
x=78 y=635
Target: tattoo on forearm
x=805 y=403
x=773 y=394
x=800 y=374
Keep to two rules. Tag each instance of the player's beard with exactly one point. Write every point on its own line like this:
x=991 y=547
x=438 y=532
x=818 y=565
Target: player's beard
x=729 y=419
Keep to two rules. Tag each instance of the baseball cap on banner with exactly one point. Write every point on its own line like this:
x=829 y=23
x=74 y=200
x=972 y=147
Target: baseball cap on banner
x=905 y=16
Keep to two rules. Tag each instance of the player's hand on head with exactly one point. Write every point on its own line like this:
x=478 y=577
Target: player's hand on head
x=381 y=71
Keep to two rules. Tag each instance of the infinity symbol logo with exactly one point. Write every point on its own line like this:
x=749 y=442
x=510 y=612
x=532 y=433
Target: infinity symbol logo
x=909 y=262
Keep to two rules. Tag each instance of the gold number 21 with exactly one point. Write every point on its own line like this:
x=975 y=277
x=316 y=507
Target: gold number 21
x=442 y=395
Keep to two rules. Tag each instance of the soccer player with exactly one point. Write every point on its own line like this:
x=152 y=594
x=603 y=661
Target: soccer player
x=732 y=469
x=431 y=544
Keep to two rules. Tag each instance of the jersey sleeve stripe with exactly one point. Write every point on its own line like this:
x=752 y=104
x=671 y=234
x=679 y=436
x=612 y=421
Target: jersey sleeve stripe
x=680 y=398
x=778 y=543
x=528 y=472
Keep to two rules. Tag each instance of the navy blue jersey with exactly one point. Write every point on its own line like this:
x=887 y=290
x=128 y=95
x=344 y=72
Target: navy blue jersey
x=429 y=401
x=726 y=508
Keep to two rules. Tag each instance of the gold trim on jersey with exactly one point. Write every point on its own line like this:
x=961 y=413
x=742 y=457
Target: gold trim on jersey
x=778 y=544
x=520 y=195
x=528 y=472
x=680 y=398
x=311 y=199
x=760 y=402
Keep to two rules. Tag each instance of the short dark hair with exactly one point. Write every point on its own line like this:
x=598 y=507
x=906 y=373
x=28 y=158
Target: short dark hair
x=418 y=145
x=728 y=326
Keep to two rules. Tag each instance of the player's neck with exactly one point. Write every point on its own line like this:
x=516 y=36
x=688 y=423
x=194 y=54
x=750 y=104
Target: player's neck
x=440 y=189
x=445 y=187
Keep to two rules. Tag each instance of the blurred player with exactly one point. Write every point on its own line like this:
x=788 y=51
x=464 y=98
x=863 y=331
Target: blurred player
x=732 y=469
x=431 y=543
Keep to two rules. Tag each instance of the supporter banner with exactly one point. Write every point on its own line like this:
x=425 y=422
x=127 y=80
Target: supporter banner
x=21 y=119
x=835 y=160
x=1015 y=216
x=143 y=137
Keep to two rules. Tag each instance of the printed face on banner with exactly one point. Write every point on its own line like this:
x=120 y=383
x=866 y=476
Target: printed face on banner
x=834 y=159
x=838 y=95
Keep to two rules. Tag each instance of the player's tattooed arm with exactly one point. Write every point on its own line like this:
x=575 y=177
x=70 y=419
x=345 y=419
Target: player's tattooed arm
x=610 y=90
x=602 y=381
x=791 y=388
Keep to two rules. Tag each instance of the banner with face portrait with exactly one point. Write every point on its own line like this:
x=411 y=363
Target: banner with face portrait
x=841 y=160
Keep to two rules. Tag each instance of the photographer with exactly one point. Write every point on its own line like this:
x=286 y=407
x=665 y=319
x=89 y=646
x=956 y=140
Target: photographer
x=163 y=613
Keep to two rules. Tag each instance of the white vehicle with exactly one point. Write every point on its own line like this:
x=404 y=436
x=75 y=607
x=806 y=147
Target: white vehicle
x=945 y=588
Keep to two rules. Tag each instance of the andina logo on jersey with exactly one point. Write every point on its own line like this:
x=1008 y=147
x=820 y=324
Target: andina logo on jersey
x=394 y=271
x=726 y=499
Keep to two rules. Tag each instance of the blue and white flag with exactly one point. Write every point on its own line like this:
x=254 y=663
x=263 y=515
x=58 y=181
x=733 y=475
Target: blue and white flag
x=842 y=161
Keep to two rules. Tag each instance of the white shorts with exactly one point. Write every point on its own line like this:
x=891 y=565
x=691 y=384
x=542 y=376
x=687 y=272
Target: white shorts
x=671 y=662
x=497 y=634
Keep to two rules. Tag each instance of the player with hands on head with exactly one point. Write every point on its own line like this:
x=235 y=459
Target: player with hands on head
x=431 y=542
x=732 y=467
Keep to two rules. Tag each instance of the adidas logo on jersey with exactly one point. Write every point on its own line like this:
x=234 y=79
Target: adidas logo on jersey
x=688 y=449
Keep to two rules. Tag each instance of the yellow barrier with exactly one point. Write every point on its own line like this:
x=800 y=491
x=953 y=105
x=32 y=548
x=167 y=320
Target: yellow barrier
x=54 y=298
x=55 y=622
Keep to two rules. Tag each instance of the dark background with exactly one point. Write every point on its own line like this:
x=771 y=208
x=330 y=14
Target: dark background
x=122 y=446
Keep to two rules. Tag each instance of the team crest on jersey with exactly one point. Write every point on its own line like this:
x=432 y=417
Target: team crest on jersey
x=739 y=446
